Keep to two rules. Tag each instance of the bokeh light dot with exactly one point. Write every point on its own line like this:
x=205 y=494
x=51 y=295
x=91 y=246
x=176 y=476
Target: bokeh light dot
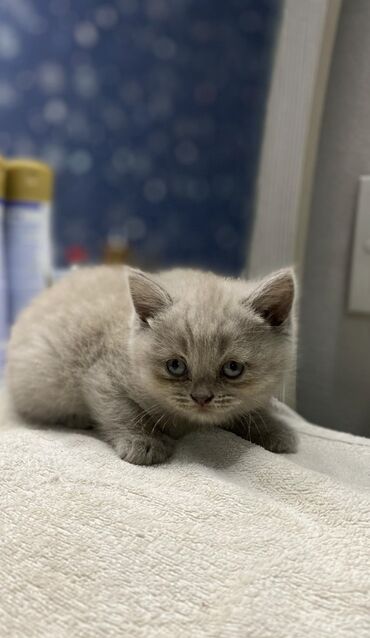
x=160 y=106
x=131 y=92
x=55 y=111
x=86 y=34
x=121 y=160
x=55 y=155
x=128 y=7
x=60 y=8
x=10 y=45
x=164 y=48
x=157 y=9
x=8 y=95
x=106 y=16
x=80 y=162
x=113 y=117
x=186 y=152
x=78 y=126
x=51 y=77
x=155 y=190
x=85 y=81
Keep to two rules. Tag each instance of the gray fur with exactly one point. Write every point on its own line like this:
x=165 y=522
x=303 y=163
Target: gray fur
x=93 y=348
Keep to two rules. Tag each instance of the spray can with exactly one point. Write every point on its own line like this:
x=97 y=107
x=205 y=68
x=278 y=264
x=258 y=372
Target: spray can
x=3 y=286
x=29 y=189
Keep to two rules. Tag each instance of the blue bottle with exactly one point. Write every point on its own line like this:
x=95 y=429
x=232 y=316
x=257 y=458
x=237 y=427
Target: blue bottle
x=3 y=285
x=29 y=188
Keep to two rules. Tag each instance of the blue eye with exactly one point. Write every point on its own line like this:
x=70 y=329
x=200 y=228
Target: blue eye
x=232 y=369
x=176 y=367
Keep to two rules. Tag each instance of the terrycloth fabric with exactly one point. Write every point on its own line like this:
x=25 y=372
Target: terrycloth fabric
x=226 y=540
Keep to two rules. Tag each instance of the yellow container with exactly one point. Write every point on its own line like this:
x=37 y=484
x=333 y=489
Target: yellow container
x=29 y=180
x=28 y=195
x=2 y=178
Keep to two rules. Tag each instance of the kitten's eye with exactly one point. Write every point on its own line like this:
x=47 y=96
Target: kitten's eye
x=176 y=367
x=232 y=369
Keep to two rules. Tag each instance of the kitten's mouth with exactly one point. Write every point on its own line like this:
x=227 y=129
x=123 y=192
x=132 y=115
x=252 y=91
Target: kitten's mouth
x=203 y=412
x=195 y=412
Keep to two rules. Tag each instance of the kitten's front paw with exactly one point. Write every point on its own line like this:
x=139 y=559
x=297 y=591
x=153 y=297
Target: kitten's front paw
x=282 y=440
x=145 y=450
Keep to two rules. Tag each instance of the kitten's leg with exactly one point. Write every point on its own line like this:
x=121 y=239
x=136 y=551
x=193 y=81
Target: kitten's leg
x=268 y=429
x=126 y=427
x=129 y=433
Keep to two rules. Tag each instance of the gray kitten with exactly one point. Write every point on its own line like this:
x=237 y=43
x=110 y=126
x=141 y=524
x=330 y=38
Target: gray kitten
x=147 y=358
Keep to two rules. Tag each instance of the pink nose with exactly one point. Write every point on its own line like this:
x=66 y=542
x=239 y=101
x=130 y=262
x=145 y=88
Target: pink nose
x=202 y=398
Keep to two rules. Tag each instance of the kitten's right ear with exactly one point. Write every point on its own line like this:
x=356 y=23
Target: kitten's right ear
x=148 y=297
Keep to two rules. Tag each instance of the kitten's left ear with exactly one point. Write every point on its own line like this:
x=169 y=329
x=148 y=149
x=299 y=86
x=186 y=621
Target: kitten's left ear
x=148 y=297
x=273 y=297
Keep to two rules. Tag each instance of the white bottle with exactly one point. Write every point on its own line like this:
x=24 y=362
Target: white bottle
x=3 y=286
x=29 y=187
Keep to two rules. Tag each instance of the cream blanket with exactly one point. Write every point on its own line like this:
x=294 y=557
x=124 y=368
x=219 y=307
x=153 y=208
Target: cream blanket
x=226 y=540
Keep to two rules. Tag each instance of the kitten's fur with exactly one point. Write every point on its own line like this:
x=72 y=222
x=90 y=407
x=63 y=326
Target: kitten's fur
x=93 y=349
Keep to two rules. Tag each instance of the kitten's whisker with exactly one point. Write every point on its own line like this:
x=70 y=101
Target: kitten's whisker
x=258 y=430
x=250 y=425
x=156 y=424
x=166 y=423
x=138 y=419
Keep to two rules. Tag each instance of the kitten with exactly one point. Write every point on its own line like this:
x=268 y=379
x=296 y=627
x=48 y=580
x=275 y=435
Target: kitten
x=147 y=358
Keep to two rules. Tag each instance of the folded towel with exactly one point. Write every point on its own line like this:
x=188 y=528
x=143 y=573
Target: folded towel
x=226 y=539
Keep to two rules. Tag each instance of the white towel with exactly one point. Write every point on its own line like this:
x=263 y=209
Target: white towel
x=226 y=540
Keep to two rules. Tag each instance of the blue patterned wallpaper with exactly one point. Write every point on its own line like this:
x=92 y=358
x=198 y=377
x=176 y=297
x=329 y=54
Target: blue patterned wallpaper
x=149 y=110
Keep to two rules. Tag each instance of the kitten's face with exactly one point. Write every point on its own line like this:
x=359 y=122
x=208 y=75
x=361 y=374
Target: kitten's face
x=209 y=356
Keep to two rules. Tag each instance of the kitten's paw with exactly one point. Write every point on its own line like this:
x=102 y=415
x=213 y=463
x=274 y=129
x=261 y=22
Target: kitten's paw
x=282 y=440
x=145 y=450
x=269 y=433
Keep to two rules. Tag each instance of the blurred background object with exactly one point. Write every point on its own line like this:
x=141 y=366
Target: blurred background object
x=334 y=364
x=150 y=112
x=289 y=149
x=318 y=120
x=27 y=232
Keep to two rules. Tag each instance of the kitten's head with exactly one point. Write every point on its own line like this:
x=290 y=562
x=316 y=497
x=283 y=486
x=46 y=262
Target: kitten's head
x=208 y=348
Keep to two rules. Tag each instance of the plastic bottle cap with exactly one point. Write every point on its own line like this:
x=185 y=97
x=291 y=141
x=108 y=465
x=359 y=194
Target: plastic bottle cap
x=28 y=180
x=2 y=177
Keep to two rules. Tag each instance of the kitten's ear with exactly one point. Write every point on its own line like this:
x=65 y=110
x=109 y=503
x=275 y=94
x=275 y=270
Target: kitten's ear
x=273 y=297
x=148 y=297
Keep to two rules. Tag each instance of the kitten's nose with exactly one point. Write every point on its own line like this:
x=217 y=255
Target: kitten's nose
x=202 y=398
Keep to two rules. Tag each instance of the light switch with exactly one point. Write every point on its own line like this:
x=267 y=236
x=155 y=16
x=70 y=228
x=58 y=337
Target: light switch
x=359 y=291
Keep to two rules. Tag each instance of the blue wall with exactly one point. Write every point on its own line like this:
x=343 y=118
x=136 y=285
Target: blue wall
x=151 y=113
